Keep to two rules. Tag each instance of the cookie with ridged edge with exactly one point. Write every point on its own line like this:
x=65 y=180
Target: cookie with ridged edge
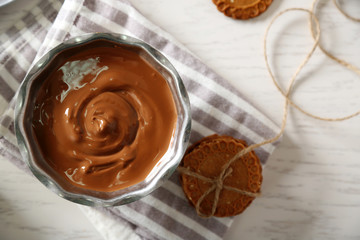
x=242 y=9
x=206 y=158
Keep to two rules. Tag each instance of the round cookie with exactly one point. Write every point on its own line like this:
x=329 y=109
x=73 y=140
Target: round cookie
x=242 y=9
x=206 y=158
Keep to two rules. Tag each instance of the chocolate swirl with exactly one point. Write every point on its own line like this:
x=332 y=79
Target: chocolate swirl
x=109 y=123
x=104 y=121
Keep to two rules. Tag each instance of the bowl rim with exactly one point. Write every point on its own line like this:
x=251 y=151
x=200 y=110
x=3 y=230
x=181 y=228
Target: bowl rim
x=27 y=151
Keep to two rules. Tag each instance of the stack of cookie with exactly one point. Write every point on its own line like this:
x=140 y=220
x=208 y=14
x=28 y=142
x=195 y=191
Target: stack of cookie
x=205 y=170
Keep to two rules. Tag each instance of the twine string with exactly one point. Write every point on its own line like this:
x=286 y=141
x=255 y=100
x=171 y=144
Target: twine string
x=344 y=13
x=217 y=186
x=327 y=53
x=218 y=183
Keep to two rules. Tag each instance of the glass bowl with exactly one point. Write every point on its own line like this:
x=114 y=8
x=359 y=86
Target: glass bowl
x=31 y=152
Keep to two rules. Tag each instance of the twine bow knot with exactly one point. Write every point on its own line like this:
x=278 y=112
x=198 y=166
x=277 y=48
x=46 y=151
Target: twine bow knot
x=217 y=184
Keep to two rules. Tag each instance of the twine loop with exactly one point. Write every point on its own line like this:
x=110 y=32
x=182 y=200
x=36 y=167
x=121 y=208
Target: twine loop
x=218 y=183
x=217 y=186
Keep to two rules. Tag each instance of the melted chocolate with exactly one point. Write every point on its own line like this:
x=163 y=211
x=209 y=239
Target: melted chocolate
x=104 y=119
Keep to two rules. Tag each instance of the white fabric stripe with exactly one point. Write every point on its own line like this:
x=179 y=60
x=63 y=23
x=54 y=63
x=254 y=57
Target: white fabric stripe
x=101 y=222
x=174 y=189
x=72 y=7
x=20 y=25
x=41 y=19
x=106 y=23
x=180 y=217
x=63 y=26
x=136 y=16
x=220 y=90
x=269 y=148
x=224 y=118
x=225 y=221
x=51 y=44
x=22 y=61
x=10 y=111
x=36 y=11
x=201 y=128
x=177 y=190
x=3 y=105
x=143 y=220
x=9 y=79
x=31 y=39
x=4 y=39
x=50 y=41
x=9 y=136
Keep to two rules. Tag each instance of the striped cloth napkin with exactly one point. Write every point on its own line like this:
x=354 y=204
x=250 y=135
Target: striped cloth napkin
x=216 y=108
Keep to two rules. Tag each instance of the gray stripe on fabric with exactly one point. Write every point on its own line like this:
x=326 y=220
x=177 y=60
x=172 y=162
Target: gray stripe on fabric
x=30 y=21
x=5 y=90
x=67 y=16
x=32 y=25
x=53 y=34
x=219 y=127
x=4 y=56
x=195 y=136
x=87 y=25
x=8 y=123
x=2 y=49
x=15 y=69
x=28 y=52
x=11 y=31
x=10 y=148
x=43 y=4
x=11 y=153
x=162 y=219
x=138 y=230
x=181 y=205
x=56 y=34
x=234 y=111
x=216 y=125
x=48 y=10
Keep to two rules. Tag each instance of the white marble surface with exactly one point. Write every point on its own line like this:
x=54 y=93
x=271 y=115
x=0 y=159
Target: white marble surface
x=311 y=184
